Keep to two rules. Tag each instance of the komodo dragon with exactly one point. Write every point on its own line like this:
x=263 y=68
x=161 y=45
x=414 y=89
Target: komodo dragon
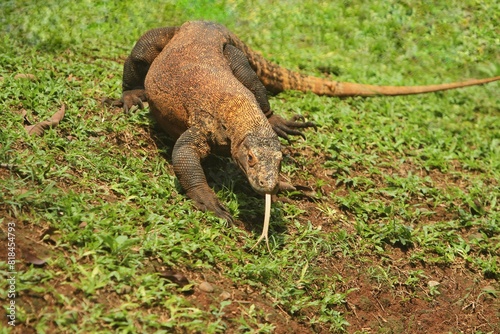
x=208 y=90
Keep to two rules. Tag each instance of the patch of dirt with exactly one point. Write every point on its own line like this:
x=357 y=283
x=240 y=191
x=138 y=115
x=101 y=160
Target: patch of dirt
x=28 y=249
x=242 y=297
x=458 y=303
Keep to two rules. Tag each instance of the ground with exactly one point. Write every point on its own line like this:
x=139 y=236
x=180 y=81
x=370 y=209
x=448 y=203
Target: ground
x=394 y=227
x=385 y=291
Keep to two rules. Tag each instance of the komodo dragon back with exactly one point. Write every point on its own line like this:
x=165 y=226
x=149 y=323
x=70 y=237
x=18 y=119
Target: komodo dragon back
x=277 y=79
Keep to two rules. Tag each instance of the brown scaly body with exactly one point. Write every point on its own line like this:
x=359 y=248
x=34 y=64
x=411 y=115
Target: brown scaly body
x=207 y=89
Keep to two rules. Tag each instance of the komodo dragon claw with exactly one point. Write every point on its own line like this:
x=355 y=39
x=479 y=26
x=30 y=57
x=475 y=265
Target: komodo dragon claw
x=205 y=200
x=129 y=99
x=284 y=127
x=132 y=98
x=111 y=102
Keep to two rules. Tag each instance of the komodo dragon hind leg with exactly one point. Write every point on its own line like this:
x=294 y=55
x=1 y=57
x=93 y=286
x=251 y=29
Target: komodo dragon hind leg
x=242 y=70
x=136 y=67
x=284 y=127
x=190 y=148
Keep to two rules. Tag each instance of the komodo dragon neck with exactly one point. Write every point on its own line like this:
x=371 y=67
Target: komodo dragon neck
x=242 y=119
x=250 y=133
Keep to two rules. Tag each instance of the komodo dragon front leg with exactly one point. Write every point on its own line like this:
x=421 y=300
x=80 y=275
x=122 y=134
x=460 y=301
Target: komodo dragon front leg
x=242 y=70
x=147 y=48
x=189 y=149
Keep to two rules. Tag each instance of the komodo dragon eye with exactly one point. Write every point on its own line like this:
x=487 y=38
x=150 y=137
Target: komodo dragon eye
x=251 y=159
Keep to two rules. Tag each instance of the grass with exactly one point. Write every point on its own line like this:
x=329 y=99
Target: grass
x=402 y=217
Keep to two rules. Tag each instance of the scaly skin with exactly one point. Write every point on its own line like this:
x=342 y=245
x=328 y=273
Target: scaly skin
x=208 y=90
x=277 y=79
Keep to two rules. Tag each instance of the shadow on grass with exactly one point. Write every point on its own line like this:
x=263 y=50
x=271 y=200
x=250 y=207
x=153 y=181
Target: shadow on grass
x=222 y=174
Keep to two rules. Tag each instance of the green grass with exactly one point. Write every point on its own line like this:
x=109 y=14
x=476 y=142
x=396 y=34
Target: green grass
x=404 y=190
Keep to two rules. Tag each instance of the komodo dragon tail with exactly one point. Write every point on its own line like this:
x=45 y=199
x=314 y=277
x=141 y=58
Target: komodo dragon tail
x=277 y=79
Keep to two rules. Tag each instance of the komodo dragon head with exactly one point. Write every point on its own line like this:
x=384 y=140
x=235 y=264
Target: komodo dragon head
x=260 y=159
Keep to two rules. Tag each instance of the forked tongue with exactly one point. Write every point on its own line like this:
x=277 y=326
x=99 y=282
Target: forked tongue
x=265 y=230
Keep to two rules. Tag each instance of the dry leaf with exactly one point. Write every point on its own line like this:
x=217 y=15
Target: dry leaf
x=28 y=246
x=175 y=277
x=25 y=76
x=39 y=128
x=33 y=259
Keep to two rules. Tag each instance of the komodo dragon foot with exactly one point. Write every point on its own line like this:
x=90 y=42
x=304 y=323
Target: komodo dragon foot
x=204 y=199
x=284 y=127
x=133 y=97
x=129 y=99
x=189 y=149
